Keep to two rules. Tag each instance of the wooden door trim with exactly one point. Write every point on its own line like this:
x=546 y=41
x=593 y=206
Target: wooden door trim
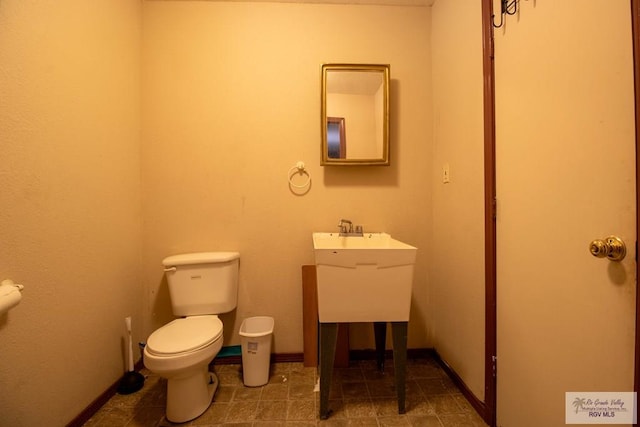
x=489 y=214
x=635 y=25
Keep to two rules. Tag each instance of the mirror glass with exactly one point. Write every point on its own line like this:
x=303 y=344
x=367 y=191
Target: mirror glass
x=355 y=114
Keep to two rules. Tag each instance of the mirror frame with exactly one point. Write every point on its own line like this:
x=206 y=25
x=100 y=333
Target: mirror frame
x=366 y=68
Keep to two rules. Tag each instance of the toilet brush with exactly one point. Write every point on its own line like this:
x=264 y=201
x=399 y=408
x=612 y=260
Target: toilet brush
x=132 y=381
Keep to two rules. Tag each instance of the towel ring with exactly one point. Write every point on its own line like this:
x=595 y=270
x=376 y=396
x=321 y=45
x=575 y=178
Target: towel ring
x=299 y=168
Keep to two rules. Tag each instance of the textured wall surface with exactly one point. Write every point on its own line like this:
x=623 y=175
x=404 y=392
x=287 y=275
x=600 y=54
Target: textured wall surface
x=70 y=222
x=456 y=257
x=231 y=101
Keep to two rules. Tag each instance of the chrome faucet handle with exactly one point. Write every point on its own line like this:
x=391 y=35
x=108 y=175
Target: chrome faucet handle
x=343 y=226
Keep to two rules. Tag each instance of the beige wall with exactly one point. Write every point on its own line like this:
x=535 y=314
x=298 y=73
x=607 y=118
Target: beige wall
x=456 y=255
x=231 y=101
x=70 y=224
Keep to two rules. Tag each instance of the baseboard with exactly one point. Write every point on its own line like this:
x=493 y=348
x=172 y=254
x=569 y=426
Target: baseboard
x=99 y=401
x=419 y=353
x=476 y=403
x=275 y=358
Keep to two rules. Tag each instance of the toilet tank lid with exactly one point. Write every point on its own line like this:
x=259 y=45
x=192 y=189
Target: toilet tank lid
x=200 y=258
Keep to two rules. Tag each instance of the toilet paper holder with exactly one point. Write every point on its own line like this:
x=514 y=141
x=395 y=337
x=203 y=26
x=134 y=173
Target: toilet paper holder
x=10 y=295
x=9 y=282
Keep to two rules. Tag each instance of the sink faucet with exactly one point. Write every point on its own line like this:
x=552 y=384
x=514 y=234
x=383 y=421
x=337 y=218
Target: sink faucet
x=343 y=226
x=346 y=228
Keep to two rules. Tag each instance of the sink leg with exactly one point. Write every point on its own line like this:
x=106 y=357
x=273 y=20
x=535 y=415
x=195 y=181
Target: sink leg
x=399 y=330
x=328 y=340
x=380 y=332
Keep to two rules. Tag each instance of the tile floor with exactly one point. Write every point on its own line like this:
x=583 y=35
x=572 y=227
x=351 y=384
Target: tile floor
x=360 y=396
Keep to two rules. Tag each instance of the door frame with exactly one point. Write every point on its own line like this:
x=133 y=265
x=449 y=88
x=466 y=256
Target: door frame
x=489 y=104
x=490 y=397
x=635 y=25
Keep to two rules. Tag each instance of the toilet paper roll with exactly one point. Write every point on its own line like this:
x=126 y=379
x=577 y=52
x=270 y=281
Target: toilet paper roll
x=10 y=296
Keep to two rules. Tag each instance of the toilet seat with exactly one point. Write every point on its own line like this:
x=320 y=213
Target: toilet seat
x=185 y=335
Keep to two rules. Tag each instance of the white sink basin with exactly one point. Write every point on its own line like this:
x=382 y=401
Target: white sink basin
x=363 y=279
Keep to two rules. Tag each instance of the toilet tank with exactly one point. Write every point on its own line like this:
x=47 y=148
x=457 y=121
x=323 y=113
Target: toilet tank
x=202 y=282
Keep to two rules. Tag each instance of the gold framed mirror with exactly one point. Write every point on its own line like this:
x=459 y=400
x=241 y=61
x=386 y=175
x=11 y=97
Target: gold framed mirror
x=355 y=114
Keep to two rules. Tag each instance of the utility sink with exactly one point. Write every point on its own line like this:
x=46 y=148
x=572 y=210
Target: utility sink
x=364 y=278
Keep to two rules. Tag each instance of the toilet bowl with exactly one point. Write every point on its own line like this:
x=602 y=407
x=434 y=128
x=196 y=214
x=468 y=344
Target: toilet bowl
x=201 y=285
x=181 y=352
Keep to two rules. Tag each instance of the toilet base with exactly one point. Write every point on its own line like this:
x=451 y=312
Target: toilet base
x=189 y=397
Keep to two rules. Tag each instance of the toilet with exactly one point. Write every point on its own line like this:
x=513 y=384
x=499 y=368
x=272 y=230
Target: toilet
x=201 y=286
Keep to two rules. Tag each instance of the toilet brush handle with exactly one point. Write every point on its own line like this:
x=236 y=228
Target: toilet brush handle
x=127 y=321
x=130 y=355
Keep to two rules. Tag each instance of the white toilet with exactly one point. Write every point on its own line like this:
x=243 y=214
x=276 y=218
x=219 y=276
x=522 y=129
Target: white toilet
x=201 y=285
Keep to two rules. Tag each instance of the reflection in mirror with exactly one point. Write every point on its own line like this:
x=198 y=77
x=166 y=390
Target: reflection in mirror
x=336 y=139
x=355 y=114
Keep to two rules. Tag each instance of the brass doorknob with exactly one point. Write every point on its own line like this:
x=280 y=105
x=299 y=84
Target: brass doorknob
x=611 y=247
